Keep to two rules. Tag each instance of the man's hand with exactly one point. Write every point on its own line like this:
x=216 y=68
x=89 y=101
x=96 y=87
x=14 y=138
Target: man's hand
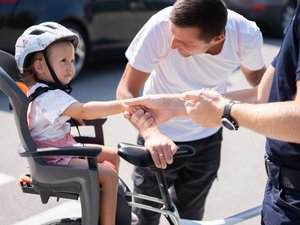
x=205 y=107
x=140 y=118
x=148 y=111
x=161 y=107
x=161 y=149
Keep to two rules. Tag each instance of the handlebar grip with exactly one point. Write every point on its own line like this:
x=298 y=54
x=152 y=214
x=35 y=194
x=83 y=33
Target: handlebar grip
x=184 y=151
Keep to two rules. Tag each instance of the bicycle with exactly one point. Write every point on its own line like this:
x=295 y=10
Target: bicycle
x=139 y=156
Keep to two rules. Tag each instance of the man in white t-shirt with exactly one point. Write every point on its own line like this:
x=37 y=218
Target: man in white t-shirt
x=192 y=45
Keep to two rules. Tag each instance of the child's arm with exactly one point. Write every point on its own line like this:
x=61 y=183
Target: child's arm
x=96 y=109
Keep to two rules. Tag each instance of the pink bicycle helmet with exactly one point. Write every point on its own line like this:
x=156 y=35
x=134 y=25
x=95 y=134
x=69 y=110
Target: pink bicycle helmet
x=38 y=37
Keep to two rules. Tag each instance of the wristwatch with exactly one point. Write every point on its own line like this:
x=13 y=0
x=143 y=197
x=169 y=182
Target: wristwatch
x=226 y=119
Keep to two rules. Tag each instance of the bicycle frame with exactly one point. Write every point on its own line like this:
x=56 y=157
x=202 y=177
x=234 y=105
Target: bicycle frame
x=240 y=217
x=173 y=216
x=138 y=156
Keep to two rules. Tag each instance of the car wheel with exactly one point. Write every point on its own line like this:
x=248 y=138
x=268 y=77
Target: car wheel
x=287 y=14
x=81 y=51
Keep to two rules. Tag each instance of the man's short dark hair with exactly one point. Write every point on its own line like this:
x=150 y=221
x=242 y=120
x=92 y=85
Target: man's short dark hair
x=210 y=16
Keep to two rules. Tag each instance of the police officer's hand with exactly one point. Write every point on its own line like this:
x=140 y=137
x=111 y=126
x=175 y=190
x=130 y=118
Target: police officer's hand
x=205 y=107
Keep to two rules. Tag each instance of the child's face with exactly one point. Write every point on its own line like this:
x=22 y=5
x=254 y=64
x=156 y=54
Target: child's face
x=61 y=57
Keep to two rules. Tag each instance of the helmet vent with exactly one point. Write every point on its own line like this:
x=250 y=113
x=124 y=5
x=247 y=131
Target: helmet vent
x=37 y=32
x=52 y=27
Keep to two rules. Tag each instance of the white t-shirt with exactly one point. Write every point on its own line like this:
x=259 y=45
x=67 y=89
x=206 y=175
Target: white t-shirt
x=44 y=114
x=150 y=52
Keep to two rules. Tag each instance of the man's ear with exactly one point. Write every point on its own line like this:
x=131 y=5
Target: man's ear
x=38 y=66
x=220 y=38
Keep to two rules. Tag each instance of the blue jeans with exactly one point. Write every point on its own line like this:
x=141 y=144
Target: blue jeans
x=189 y=180
x=281 y=205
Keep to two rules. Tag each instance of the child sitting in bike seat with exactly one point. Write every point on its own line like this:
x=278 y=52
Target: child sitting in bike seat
x=45 y=55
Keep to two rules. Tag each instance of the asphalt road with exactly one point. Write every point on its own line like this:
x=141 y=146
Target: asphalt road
x=240 y=182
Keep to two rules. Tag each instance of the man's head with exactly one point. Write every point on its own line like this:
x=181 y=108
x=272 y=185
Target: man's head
x=197 y=25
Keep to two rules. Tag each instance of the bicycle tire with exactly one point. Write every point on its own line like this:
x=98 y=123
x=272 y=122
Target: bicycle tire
x=65 y=221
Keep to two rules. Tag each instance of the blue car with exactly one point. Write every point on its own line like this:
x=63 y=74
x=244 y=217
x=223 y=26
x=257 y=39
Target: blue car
x=105 y=27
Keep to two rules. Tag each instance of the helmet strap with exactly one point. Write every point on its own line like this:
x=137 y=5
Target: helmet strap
x=57 y=84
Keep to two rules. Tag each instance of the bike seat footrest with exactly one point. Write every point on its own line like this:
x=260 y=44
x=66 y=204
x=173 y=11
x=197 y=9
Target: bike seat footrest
x=30 y=189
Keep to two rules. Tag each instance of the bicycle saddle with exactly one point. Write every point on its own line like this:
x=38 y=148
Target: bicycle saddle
x=139 y=156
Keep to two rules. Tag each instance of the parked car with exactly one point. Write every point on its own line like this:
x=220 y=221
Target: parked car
x=102 y=25
x=271 y=15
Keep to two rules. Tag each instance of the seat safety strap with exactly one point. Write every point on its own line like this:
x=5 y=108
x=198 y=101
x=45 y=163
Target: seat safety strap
x=38 y=92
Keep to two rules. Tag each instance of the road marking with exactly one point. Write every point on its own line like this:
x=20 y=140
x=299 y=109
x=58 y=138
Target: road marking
x=5 y=178
x=67 y=209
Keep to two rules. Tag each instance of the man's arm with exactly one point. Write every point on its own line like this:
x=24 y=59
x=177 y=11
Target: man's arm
x=131 y=83
x=253 y=77
x=160 y=147
x=162 y=107
x=279 y=120
x=258 y=94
